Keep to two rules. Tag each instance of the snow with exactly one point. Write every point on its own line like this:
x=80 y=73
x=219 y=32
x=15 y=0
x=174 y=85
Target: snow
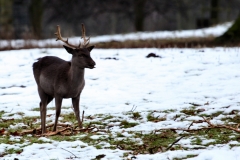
x=219 y=154
x=180 y=77
x=205 y=32
x=213 y=31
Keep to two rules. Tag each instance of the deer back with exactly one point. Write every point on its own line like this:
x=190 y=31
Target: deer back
x=50 y=73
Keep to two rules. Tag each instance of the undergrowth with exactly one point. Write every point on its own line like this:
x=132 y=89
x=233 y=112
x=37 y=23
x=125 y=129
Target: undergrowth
x=125 y=131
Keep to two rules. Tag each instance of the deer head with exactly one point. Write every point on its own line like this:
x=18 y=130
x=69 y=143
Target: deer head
x=81 y=53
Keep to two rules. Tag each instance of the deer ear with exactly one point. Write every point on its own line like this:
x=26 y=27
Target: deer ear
x=68 y=49
x=90 y=48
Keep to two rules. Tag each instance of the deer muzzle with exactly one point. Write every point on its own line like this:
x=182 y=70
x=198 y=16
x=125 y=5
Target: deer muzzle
x=91 y=65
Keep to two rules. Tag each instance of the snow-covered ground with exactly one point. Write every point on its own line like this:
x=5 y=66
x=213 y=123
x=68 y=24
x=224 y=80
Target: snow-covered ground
x=179 y=77
x=205 y=32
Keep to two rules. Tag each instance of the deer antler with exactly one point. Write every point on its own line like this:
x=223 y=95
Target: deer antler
x=85 y=40
x=59 y=37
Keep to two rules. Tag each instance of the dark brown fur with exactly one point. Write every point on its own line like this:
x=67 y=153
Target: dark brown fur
x=57 y=78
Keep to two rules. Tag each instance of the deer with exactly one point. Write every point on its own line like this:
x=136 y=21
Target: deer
x=57 y=78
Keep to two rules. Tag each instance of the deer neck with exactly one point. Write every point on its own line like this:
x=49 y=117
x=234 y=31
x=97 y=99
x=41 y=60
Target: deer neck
x=77 y=76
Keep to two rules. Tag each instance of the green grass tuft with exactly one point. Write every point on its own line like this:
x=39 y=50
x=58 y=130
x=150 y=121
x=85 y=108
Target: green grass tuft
x=126 y=124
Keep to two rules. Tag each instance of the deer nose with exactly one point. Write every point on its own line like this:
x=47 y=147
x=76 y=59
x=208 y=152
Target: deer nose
x=93 y=63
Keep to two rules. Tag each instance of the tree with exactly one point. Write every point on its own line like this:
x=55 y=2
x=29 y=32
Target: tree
x=214 y=12
x=35 y=13
x=6 y=20
x=232 y=35
x=139 y=14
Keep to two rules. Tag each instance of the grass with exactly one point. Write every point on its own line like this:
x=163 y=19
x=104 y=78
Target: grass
x=126 y=124
x=136 y=115
x=124 y=137
x=13 y=151
x=191 y=111
x=49 y=108
x=234 y=119
x=152 y=118
x=215 y=114
x=1 y=113
x=107 y=117
x=60 y=138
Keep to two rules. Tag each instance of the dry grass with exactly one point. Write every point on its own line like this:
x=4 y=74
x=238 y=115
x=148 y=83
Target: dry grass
x=191 y=42
x=126 y=137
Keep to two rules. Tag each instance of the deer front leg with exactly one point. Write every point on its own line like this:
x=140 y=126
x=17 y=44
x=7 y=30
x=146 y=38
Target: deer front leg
x=75 y=102
x=58 y=103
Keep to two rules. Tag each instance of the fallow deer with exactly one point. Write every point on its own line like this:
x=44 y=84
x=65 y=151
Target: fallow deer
x=57 y=78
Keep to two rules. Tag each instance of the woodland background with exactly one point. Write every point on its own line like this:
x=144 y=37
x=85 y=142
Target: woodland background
x=37 y=19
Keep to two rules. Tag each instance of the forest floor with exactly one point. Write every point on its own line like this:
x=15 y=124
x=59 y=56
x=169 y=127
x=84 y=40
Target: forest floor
x=171 y=104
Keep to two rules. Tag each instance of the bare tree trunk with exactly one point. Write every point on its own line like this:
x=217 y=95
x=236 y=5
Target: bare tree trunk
x=214 y=12
x=139 y=14
x=36 y=12
x=6 y=19
x=113 y=23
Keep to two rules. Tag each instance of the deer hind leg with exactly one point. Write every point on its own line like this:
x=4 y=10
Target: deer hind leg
x=75 y=102
x=45 y=99
x=43 y=116
x=58 y=103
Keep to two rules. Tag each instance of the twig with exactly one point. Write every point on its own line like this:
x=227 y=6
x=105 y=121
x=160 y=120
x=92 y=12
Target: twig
x=222 y=126
x=238 y=125
x=121 y=147
x=174 y=143
x=208 y=121
x=175 y=117
x=195 y=104
x=56 y=132
x=199 y=121
x=82 y=116
x=33 y=131
x=133 y=108
x=72 y=130
x=70 y=152
x=190 y=125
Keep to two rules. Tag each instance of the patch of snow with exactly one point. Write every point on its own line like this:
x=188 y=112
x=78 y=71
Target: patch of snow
x=205 y=32
x=181 y=77
x=44 y=139
x=17 y=126
x=219 y=154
